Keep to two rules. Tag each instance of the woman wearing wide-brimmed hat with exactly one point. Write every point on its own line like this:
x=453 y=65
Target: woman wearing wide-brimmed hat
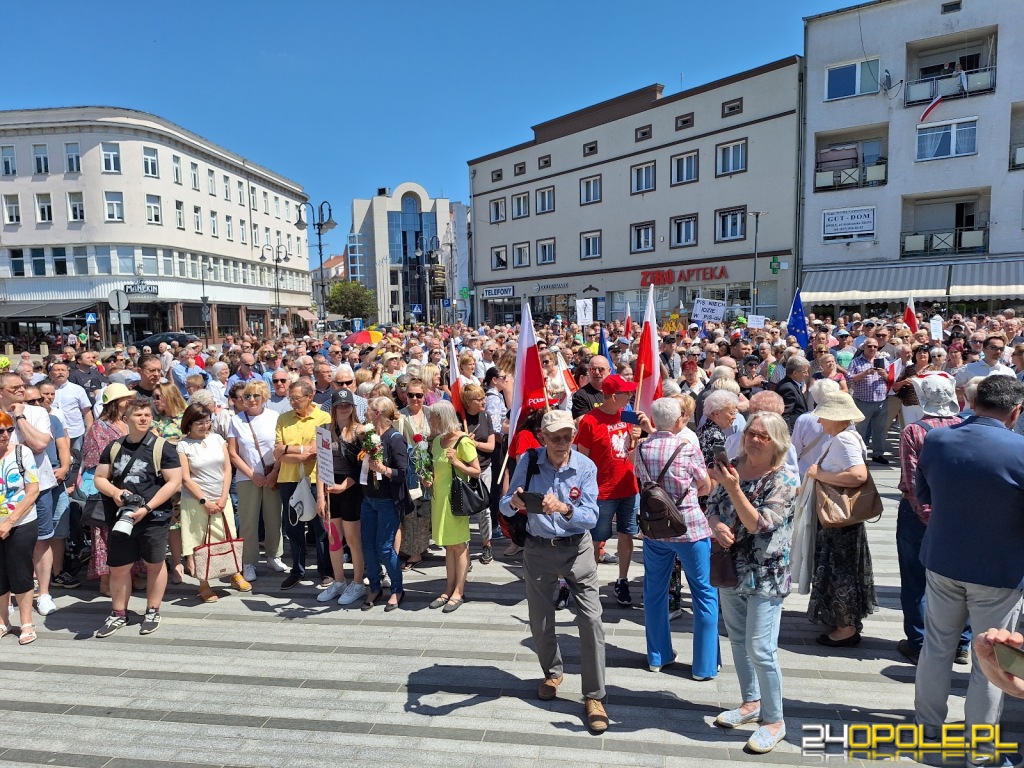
x=843 y=585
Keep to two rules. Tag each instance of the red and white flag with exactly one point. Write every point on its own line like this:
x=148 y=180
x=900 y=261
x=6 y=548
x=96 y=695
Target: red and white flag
x=629 y=324
x=932 y=105
x=454 y=385
x=570 y=381
x=647 y=366
x=529 y=392
x=910 y=315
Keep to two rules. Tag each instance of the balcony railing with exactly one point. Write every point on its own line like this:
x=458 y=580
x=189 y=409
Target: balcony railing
x=956 y=86
x=944 y=241
x=847 y=178
x=1016 y=157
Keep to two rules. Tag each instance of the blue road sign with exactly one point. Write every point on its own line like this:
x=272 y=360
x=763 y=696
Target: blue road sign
x=357 y=324
x=446 y=303
x=417 y=309
x=90 y=318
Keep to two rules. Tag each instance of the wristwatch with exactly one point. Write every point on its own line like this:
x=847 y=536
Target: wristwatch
x=19 y=416
x=202 y=502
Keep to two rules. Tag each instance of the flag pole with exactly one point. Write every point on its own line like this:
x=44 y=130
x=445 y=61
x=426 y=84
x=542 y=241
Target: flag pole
x=640 y=386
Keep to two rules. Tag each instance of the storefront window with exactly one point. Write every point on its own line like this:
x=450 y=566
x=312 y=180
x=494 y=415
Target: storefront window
x=227 y=320
x=637 y=300
x=544 y=308
x=503 y=311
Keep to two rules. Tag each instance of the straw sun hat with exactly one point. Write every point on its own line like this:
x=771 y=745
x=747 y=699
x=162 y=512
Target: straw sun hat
x=838 y=406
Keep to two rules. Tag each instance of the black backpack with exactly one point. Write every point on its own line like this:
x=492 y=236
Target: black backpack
x=514 y=527
x=659 y=517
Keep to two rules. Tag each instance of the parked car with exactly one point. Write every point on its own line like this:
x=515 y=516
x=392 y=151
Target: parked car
x=166 y=338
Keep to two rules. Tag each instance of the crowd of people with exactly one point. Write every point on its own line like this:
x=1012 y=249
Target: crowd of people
x=127 y=464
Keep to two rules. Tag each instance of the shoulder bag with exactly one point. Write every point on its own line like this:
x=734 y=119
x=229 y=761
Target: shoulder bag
x=468 y=496
x=259 y=451
x=839 y=507
x=723 y=566
x=223 y=558
x=659 y=516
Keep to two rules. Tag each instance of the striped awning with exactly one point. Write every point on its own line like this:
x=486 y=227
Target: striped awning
x=875 y=284
x=988 y=280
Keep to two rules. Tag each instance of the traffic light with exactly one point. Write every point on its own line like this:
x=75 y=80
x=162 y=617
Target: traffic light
x=438 y=281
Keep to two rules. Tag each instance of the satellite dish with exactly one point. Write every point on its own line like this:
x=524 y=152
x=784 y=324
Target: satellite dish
x=886 y=81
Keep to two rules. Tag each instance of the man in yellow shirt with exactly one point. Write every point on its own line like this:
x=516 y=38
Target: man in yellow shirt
x=295 y=451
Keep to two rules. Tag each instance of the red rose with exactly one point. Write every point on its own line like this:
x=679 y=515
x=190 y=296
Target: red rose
x=417 y=438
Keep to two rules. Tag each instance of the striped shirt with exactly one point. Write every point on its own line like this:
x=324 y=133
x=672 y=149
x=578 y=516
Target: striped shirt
x=681 y=480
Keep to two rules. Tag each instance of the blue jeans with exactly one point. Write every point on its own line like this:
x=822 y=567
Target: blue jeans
x=659 y=559
x=380 y=522
x=909 y=535
x=296 y=535
x=753 y=625
x=875 y=425
x=624 y=511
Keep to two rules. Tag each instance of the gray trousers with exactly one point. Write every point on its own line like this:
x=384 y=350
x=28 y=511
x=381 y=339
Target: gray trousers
x=543 y=565
x=876 y=424
x=253 y=501
x=950 y=604
x=483 y=519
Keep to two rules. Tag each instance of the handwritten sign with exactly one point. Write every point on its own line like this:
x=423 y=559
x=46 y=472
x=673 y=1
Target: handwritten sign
x=935 y=327
x=324 y=456
x=755 y=321
x=707 y=311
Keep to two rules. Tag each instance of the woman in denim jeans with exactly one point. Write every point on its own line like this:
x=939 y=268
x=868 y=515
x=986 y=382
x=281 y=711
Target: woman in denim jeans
x=751 y=514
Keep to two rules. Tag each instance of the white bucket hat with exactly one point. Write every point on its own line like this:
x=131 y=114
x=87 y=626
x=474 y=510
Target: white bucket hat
x=838 y=406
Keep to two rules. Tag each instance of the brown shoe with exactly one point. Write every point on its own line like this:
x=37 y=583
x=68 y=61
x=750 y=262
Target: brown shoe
x=548 y=688
x=597 y=718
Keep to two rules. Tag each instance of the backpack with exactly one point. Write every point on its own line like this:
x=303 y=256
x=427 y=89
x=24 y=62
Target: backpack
x=659 y=516
x=158 y=448
x=515 y=527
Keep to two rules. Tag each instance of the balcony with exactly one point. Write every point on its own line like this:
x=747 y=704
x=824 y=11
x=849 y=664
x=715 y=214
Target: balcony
x=955 y=240
x=858 y=163
x=955 y=86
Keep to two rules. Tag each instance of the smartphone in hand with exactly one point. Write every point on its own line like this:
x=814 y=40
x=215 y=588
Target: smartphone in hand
x=534 y=502
x=630 y=417
x=1010 y=659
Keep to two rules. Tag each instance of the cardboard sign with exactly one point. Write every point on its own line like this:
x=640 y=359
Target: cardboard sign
x=755 y=321
x=584 y=311
x=935 y=327
x=324 y=457
x=707 y=311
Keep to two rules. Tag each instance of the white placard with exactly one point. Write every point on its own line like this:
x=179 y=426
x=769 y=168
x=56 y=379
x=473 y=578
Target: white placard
x=584 y=311
x=755 y=321
x=707 y=311
x=324 y=457
x=936 y=328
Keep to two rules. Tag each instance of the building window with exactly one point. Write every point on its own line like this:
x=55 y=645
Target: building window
x=12 y=210
x=499 y=258
x=149 y=261
x=521 y=255
x=266 y=235
x=732 y=107
x=76 y=206
x=854 y=79
x=176 y=169
x=590 y=245
x=60 y=261
x=496 y=175
x=731 y=224
x=684 y=121
x=590 y=148
x=17 y=262
x=81 y=254
x=41 y=158
x=519 y=169
x=685 y=168
x=149 y=162
x=546 y=251
x=497 y=208
x=153 y=210
x=288 y=209
x=103 y=260
x=266 y=202
x=197 y=219
x=684 y=231
x=732 y=158
x=277 y=207
x=277 y=238
x=10 y=161
x=38 y=262
x=643 y=178
x=241 y=193
x=194 y=171
x=288 y=244
x=545 y=200
x=256 y=233
x=520 y=205
x=125 y=259
x=643 y=133
x=211 y=181
x=242 y=231
x=111 y=157
x=214 y=230
x=951 y=139
x=590 y=190
x=44 y=208
x=227 y=187
x=544 y=162
x=179 y=214
x=641 y=237
x=252 y=197
x=229 y=228
x=952 y=7
x=72 y=157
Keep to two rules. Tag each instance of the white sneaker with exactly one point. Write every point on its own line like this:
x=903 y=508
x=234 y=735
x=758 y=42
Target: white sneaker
x=45 y=605
x=278 y=565
x=249 y=572
x=352 y=593
x=332 y=592
x=385 y=580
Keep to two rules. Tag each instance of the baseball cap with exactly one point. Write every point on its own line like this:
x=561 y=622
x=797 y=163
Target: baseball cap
x=843 y=332
x=670 y=339
x=342 y=397
x=614 y=384
x=693 y=327
x=751 y=360
x=556 y=421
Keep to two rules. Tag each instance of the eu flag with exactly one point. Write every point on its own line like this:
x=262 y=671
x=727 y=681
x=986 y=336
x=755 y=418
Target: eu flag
x=602 y=345
x=797 y=323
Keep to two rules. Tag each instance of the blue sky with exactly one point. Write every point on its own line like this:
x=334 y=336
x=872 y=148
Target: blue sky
x=345 y=97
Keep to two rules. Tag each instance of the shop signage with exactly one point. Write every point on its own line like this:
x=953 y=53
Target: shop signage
x=538 y=287
x=498 y=292
x=848 y=221
x=142 y=288
x=684 y=275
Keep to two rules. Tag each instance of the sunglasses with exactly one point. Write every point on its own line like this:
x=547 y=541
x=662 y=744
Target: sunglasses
x=415 y=395
x=35 y=401
x=348 y=383
x=280 y=381
x=252 y=397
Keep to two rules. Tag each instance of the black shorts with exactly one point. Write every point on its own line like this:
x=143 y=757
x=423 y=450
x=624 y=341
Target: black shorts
x=345 y=506
x=147 y=542
x=16 y=568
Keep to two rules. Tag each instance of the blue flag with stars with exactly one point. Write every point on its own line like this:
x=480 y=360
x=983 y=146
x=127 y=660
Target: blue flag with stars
x=602 y=345
x=797 y=323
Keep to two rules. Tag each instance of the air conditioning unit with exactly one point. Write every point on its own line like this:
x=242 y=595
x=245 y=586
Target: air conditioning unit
x=383 y=191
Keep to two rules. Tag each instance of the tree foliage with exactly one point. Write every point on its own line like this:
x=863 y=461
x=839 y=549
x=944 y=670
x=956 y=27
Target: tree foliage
x=350 y=299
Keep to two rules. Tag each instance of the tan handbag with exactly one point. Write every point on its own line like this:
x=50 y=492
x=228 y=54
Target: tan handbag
x=839 y=507
x=223 y=558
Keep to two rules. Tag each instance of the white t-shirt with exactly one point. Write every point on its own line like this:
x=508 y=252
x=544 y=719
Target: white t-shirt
x=14 y=483
x=981 y=368
x=265 y=427
x=38 y=418
x=805 y=431
x=205 y=464
x=845 y=450
x=72 y=399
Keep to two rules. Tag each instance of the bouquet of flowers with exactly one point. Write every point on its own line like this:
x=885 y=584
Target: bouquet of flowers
x=372 y=449
x=422 y=462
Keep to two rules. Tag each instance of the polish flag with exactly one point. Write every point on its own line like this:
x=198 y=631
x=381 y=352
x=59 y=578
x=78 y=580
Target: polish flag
x=628 y=333
x=932 y=105
x=454 y=385
x=529 y=393
x=570 y=381
x=910 y=315
x=647 y=366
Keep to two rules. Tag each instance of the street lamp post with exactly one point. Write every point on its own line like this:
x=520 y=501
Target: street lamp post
x=205 y=311
x=757 y=221
x=278 y=259
x=426 y=246
x=316 y=218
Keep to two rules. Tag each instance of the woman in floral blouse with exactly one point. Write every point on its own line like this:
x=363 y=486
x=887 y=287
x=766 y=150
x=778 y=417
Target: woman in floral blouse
x=751 y=515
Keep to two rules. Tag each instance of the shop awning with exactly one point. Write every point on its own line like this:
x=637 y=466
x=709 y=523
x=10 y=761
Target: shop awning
x=306 y=315
x=44 y=310
x=875 y=284
x=988 y=280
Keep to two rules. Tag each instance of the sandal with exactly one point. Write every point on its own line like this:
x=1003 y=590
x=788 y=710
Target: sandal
x=177 y=574
x=206 y=594
x=28 y=634
x=408 y=565
x=4 y=630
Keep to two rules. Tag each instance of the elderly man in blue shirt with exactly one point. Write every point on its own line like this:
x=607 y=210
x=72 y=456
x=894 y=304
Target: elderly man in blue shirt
x=185 y=367
x=558 y=544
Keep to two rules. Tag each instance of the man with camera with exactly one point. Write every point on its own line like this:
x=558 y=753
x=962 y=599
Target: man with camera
x=869 y=386
x=137 y=476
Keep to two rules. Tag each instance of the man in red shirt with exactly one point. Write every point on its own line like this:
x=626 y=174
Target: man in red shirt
x=608 y=441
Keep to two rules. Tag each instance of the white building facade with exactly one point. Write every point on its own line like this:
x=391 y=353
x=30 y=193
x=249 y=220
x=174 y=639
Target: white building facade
x=906 y=196
x=100 y=198
x=646 y=190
